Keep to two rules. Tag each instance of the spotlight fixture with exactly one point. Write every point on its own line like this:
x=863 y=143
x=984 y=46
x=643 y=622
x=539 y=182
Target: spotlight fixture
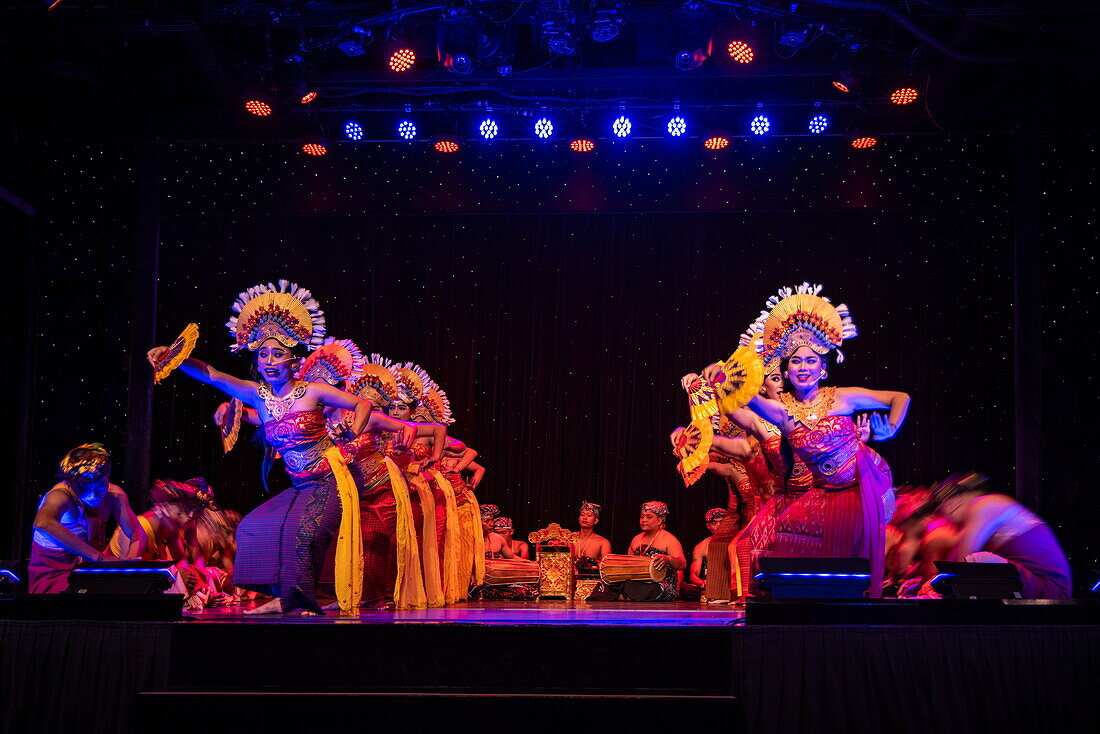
x=353 y=130
x=402 y=59
x=606 y=20
x=794 y=38
x=845 y=82
x=258 y=104
x=316 y=147
x=582 y=144
x=818 y=124
x=622 y=126
x=446 y=144
x=760 y=125
x=406 y=130
x=692 y=37
x=458 y=36
x=904 y=95
x=488 y=128
x=544 y=128
x=354 y=41
x=557 y=21
x=716 y=139
x=863 y=142
x=677 y=126
x=740 y=52
x=304 y=93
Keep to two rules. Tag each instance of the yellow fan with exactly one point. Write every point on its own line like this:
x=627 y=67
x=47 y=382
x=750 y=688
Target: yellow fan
x=741 y=377
x=693 y=450
x=701 y=399
x=178 y=351
x=230 y=424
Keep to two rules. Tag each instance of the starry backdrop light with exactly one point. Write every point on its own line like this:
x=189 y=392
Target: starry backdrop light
x=558 y=299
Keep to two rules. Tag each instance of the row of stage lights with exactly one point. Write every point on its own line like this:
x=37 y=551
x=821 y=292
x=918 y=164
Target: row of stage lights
x=622 y=128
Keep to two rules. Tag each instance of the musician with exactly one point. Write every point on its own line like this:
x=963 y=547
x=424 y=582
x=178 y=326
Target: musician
x=589 y=546
x=667 y=554
x=692 y=589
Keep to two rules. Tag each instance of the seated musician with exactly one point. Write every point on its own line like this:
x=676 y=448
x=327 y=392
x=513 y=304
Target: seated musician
x=590 y=547
x=71 y=522
x=502 y=526
x=696 y=583
x=498 y=548
x=667 y=554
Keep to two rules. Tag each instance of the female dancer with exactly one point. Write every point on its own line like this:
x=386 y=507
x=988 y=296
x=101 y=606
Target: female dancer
x=844 y=514
x=281 y=544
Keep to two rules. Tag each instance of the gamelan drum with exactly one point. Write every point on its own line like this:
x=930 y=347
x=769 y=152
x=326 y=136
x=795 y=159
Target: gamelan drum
x=500 y=571
x=616 y=568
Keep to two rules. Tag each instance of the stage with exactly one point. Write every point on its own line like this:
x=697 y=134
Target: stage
x=548 y=665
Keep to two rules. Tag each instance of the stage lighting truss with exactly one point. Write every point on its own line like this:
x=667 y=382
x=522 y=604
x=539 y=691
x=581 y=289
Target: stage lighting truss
x=488 y=128
x=818 y=124
x=544 y=128
x=557 y=21
x=760 y=125
x=607 y=20
x=406 y=130
x=353 y=130
x=692 y=38
x=354 y=41
x=677 y=126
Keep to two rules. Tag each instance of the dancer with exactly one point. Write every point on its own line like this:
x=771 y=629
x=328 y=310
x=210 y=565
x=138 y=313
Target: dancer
x=844 y=514
x=281 y=544
x=174 y=507
x=69 y=526
x=693 y=587
x=658 y=543
x=994 y=528
x=589 y=546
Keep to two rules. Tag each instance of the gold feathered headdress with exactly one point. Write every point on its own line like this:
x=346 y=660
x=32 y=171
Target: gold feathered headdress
x=286 y=313
x=334 y=362
x=799 y=317
x=377 y=383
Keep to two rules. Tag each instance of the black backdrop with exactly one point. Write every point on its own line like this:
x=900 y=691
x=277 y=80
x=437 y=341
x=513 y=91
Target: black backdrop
x=558 y=300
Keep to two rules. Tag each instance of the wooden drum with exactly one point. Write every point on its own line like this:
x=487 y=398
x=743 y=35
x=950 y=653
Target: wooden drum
x=615 y=569
x=502 y=571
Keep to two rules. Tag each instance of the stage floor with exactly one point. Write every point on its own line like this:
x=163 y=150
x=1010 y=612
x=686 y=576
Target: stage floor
x=667 y=614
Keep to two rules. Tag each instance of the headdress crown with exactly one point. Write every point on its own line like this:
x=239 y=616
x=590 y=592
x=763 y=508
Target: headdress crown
x=286 y=313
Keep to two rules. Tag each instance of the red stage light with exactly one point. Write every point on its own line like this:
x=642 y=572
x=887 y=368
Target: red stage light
x=402 y=59
x=740 y=52
x=582 y=145
x=446 y=146
x=315 y=148
x=716 y=140
x=309 y=97
x=864 y=142
x=257 y=107
x=905 y=95
x=842 y=87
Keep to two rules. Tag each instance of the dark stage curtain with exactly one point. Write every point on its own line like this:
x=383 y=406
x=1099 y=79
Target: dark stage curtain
x=75 y=676
x=917 y=679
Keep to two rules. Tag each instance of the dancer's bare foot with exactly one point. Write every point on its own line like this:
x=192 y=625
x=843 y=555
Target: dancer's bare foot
x=382 y=605
x=275 y=606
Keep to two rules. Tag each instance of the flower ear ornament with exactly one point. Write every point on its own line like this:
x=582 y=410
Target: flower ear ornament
x=178 y=351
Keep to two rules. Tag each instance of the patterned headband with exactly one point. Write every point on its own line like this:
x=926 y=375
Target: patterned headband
x=716 y=513
x=592 y=507
x=489 y=511
x=86 y=461
x=502 y=523
x=660 y=509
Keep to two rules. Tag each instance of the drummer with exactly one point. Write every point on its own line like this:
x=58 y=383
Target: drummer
x=696 y=582
x=589 y=545
x=667 y=554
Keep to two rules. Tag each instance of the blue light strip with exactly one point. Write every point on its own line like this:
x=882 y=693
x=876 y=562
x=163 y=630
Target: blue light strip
x=5 y=573
x=163 y=571
x=939 y=576
x=1096 y=588
x=763 y=575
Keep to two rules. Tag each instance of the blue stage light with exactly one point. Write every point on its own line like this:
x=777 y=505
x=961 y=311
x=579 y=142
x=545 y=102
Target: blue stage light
x=621 y=127
x=760 y=125
x=406 y=129
x=353 y=130
x=544 y=128
x=9 y=575
x=488 y=128
x=818 y=124
x=677 y=126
